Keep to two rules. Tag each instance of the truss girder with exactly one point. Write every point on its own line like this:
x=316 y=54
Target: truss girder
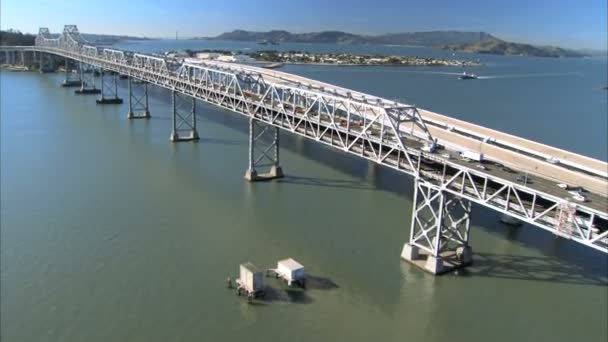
x=559 y=216
x=374 y=130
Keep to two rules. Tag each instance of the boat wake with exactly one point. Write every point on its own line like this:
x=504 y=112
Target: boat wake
x=489 y=77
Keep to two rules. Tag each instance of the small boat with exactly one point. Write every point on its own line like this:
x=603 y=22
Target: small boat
x=466 y=76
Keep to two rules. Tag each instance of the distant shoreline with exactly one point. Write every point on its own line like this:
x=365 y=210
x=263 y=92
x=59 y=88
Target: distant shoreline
x=320 y=59
x=358 y=65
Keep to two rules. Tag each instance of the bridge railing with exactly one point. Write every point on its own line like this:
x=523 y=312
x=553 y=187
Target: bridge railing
x=371 y=129
x=115 y=56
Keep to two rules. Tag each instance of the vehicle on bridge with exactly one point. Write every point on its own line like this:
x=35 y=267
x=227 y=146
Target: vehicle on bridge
x=396 y=135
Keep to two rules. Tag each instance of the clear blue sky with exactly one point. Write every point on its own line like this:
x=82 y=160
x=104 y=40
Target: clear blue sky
x=569 y=23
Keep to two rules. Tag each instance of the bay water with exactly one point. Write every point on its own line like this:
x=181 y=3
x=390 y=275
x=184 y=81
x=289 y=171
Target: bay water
x=109 y=232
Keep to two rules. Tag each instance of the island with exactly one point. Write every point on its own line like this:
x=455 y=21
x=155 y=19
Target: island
x=278 y=58
x=346 y=59
x=462 y=41
x=500 y=47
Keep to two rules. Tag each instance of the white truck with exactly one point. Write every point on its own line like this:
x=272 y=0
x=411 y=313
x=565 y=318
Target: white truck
x=472 y=155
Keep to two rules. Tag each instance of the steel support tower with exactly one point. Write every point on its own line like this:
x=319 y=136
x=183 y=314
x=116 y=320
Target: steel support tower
x=88 y=84
x=71 y=79
x=138 y=100
x=109 y=88
x=184 y=119
x=263 y=152
x=439 y=233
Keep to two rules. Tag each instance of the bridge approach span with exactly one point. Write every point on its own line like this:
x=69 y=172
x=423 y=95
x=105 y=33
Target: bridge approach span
x=414 y=141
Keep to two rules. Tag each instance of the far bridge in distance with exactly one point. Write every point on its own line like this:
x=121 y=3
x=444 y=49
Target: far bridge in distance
x=556 y=190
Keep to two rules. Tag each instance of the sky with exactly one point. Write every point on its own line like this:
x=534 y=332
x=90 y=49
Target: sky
x=566 y=23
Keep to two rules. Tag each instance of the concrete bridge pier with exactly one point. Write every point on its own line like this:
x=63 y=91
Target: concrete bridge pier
x=439 y=233
x=109 y=88
x=138 y=100
x=87 y=76
x=263 y=152
x=184 y=124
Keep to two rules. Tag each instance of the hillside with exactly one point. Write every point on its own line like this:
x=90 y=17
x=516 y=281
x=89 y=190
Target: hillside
x=472 y=42
x=108 y=39
x=432 y=38
x=12 y=38
x=499 y=47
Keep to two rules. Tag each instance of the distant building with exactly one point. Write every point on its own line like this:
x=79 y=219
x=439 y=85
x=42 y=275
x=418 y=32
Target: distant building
x=194 y=60
x=235 y=59
x=207 y=55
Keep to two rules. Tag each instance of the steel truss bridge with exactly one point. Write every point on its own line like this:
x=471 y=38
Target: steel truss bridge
x=411 y=140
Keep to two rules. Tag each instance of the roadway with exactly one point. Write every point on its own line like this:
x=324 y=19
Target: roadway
x=520 y=154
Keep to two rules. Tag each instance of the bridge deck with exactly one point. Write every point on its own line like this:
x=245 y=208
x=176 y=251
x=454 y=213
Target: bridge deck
x=573 y=169
x=390 y=133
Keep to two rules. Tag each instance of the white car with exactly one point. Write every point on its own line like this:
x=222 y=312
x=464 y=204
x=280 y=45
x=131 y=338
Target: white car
x=479 y=166
x=580 y=198
x=563 y=186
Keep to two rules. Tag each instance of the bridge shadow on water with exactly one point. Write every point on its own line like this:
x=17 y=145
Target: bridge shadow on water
x=562 y=261
x=370 y=176
x=326 y=182
x=534 y=268
x=220 y=141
